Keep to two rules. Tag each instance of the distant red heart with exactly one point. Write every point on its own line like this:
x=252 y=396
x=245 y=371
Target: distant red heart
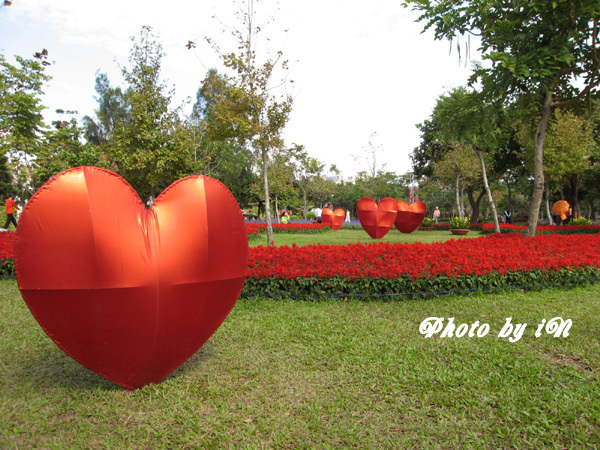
x=411 y=216
x=131 y=293
x=333 y=219
x=376 y=219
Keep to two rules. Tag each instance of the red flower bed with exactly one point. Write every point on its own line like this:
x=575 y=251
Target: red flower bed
x=6 y=245
x=542 y=229
x=253 y=229
x=500 y=254
x=496 y=261
x=480 y=264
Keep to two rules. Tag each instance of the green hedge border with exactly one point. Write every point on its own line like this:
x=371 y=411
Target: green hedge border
x=315 y=289
x=7 y=268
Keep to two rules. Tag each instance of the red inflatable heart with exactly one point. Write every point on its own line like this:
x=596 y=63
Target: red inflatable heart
x=131 y=293
x=376 y=219
x=411 y=216
x=333 y=219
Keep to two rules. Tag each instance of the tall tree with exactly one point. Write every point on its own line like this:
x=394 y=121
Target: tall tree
x=569 y=147
x=21 y=121
x=459 y=167
x=113 y=108
x=540 y=48
x=281 y=177
x=248 y=109
x=151 y=148
x=429 y=150
x=305 y=170
x=5 y=176
x=63 y=148
x=323 y=188
x=213 y=85
x=225 y=156
x=467 y=118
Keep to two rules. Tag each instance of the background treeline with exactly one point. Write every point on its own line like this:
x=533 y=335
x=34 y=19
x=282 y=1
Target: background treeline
x=524 y=133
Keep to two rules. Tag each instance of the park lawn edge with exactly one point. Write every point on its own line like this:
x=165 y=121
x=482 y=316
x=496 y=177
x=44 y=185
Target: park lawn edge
x=403 y=286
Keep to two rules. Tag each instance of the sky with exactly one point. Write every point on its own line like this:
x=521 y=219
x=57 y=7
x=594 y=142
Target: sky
x=361 y=71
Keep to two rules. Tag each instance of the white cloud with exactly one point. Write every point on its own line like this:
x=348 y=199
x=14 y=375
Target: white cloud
x=358 y=67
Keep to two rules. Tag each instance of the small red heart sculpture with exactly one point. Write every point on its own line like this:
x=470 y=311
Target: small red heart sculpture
x=410 y=217
x=333 y=219
x=376 y=219
x=131 y=293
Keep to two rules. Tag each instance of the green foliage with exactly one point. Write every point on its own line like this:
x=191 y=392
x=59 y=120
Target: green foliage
x=580 y=221
x=244 y=107
x=314 y=288
x=540 y=52
x=21 y=120
x=569 y=145
x=113 y=108
x=7 y=266
x=63 y=149
x=531 y=44
x=457 y=222
x=152 y=148
x=5 y=177
x=459 y=163
x=427 y=222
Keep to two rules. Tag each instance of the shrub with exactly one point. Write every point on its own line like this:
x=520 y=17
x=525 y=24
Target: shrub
x=580 y=221
x=427 y=222
x=457 y=222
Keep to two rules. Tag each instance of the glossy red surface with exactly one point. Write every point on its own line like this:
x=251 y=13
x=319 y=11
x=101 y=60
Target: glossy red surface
x=333 y=219
x=409 y=217
x=376 y=219
x=131 y=293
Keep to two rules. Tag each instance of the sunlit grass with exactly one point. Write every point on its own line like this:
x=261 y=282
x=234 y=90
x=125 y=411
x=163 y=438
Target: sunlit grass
x=352 y=236
x=290 y=374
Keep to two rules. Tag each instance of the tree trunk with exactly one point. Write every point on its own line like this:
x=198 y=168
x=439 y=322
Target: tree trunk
x=550 y=220
x=575 y=186
x=461 y=214
x=489 y=192
x=538 y=167
x=277 y=209
x=510 y=208
x=474 y=203
x=265 y=162
x=305 y=208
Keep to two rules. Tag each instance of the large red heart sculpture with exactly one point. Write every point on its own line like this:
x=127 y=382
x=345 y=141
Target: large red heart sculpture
x=411 y=216
x=333 y=219
x=376 y=219
x=131 y=293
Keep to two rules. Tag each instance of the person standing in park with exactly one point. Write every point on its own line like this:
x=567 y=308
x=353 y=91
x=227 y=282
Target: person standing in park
x=317 y=212
x=436 y=214
x=10 y=209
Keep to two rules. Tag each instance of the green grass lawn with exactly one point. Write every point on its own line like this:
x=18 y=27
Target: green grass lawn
x=335 y=374
x=352 y=236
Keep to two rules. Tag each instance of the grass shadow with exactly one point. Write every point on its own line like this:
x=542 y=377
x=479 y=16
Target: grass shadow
x=47 y=366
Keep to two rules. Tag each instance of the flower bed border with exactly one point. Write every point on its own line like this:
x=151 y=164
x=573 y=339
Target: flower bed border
x=336 y=287
x=255 y=229
x=331 y=285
